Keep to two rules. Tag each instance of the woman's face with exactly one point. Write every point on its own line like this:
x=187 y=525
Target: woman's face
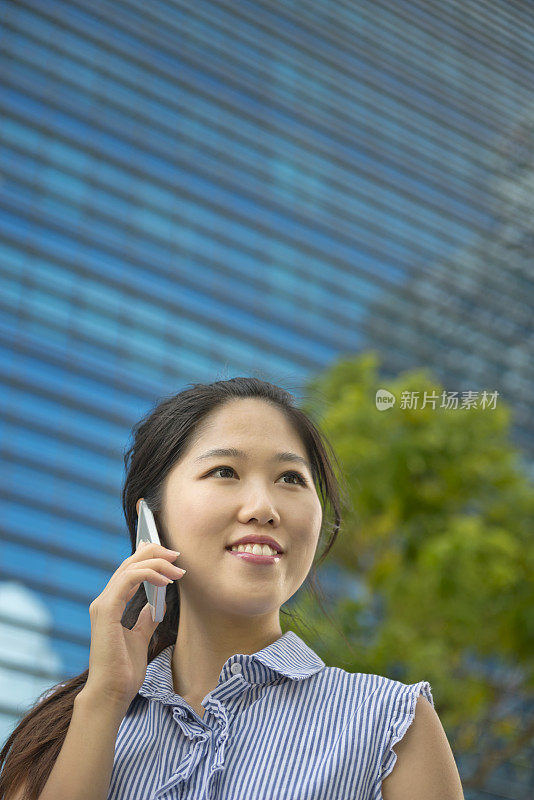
x=207 y=508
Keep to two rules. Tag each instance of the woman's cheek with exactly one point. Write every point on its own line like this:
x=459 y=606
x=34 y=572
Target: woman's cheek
x=314 y=515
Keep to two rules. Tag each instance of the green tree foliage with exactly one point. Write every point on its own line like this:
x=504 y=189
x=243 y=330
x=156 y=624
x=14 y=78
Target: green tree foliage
x=439 y=542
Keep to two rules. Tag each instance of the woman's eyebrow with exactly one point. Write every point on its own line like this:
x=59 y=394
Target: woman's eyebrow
x=233 y=452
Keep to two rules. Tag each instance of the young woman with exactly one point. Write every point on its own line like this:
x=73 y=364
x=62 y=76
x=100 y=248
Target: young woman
x=214 y=702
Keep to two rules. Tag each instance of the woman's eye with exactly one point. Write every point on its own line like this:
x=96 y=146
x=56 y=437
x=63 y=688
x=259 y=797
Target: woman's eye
x=221 y=469
x=300 y=478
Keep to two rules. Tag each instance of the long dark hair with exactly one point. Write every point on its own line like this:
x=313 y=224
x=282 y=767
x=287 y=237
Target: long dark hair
x=159 y=440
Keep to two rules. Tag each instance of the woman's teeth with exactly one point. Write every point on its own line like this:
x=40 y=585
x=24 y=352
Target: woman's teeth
x=257 y=549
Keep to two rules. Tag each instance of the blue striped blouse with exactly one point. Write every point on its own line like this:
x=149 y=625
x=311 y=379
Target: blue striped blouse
x=279 y=724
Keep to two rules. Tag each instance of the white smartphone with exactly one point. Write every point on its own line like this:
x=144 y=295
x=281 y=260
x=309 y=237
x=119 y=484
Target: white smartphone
x=147 y=532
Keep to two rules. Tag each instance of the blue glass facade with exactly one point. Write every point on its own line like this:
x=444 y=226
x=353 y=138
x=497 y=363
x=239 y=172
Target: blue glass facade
x=191 y=191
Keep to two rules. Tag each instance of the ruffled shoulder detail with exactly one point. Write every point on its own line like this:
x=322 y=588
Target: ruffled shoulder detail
x=399 y=714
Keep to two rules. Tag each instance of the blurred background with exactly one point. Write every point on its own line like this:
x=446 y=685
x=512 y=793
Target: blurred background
x=336 y=197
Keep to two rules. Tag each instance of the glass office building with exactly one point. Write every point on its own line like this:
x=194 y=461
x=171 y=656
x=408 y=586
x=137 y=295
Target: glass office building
x=192 y=191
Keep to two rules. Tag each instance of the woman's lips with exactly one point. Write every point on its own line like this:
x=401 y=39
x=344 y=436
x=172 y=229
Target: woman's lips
x=254 y=559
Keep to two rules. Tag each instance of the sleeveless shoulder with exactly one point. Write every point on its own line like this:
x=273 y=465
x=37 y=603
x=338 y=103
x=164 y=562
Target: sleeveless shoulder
x=397 y=703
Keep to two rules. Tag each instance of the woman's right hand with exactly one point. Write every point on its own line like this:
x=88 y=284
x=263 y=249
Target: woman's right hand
x=118 y=657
